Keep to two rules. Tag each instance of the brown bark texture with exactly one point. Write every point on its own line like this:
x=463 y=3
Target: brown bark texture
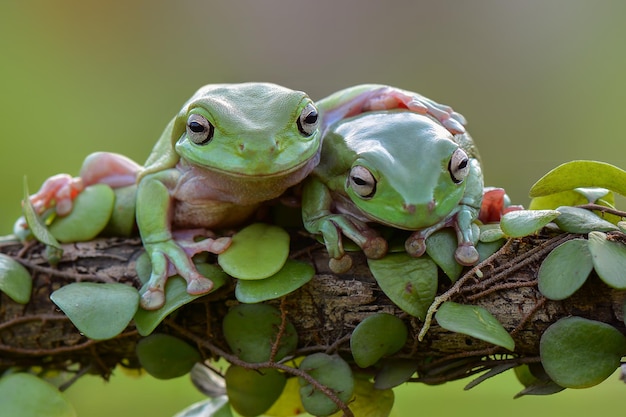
x=324 y=311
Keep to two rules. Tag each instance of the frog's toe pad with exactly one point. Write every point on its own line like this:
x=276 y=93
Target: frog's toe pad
x=375 y=248
x=466 y=255
x=415 y=247
x=199 y=285
x=341 y=265
x=152 y=299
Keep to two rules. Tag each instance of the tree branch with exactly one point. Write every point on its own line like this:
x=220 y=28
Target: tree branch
x=324 y=312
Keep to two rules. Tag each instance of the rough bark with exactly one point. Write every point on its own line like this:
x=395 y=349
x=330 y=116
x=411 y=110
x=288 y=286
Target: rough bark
x=324 y=311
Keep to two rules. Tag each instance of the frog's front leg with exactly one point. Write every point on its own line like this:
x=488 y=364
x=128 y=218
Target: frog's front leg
x=318 y=219
x=169 y=256
x=60 y=190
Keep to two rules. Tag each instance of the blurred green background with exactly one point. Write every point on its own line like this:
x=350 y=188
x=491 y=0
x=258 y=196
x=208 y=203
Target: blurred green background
x=540 y=82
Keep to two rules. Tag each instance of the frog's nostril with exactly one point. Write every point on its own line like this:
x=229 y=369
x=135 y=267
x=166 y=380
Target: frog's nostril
x=432 y=205
x=409 y=208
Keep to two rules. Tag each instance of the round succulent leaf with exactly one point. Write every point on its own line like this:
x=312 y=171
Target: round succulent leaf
x=576 y=174
x=552 y=201
x=394 y=372
x=377 y=336
x=369 y=400
x=292 y=276
x=332 y=372
x=486 y=249
x=99 y=311
x=580 y=353
x=491 y=233
x=565 y=269
x=440 y=246
x=176 y=296
x=579 y=220
x=251 y=330
x=26 y=395
x=165 y=357
x=473 y=321
x=522 y=223
x=257 y=251
x=609 y=259
x=252 y=392
x=122 y=220
x=289 y=403
x=89 y=216
x=411 y=283
x=15 y=280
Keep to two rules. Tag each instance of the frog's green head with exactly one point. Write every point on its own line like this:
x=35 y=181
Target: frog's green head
x=249 y=129
x=407 y=171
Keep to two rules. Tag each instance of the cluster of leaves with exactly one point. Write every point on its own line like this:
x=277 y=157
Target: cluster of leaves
x=263 y=375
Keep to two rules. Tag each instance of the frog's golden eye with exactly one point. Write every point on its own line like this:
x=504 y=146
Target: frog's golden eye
x=199 y=129
x=362 y=181
x=308 y=120
x=459 y=166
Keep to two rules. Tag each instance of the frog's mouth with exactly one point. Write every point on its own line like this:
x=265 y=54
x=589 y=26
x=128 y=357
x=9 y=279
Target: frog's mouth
x=242 y=188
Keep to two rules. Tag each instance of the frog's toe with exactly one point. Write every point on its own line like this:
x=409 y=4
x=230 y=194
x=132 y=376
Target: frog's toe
x=340 y=265
x=415 y=247
x=199 y=285
x=152 y=299
x=466 y=255
x=375 y=248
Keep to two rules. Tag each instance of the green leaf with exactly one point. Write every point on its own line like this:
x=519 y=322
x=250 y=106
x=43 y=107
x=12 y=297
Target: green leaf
x=214 y=407
x=473 y=321
x=579 y=220
x=251 y=330
x=330 y=371
x=289 y=402
x=565 y=269
x=292 y=276
x=411 y=283
x=440 y=246
x=25 y=395
x=377 y=336
x=535 y=384
x=99 y=311
x=257 y=251
x=122 y=221
x=490 y=233
x=15 y=280
x=486 y=249
x=176 y=296
x=521 y=223
x=164 y=356
x=579 y=353
x=609 y=259
x=577 y=174
x=89 y=216
x=394 y=372
x=37 y=227
x=252 y=392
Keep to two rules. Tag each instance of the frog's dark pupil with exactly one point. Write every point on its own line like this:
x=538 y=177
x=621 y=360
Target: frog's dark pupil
x=359 y=181
x=311 y=118
x=463 y=164
x=196 y=127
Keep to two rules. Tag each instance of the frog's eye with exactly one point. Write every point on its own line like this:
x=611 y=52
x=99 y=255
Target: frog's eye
x=459 y=166
x=199 y=130
x=308 y=120
x=362 y=181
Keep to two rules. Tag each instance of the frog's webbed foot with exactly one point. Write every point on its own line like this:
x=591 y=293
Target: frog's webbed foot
x=174 y=257
x=392 y=98
x=59 y=192
x=333 y=227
